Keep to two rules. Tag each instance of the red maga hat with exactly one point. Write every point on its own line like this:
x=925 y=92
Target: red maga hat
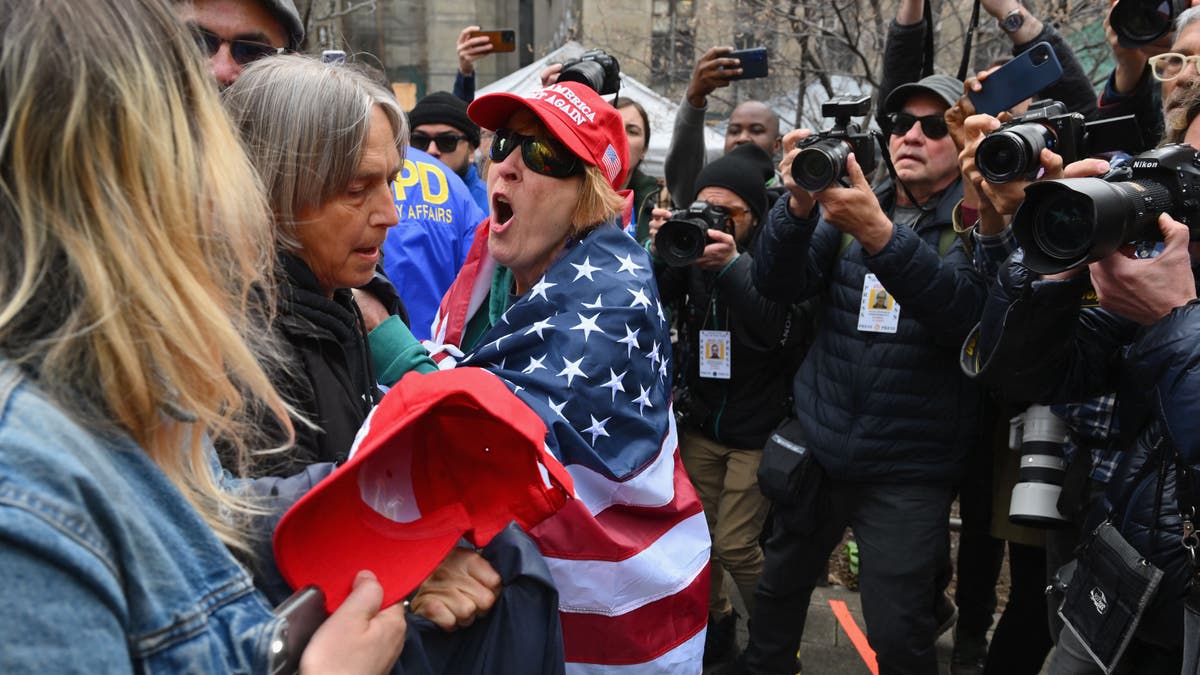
x=575 y=115
x=445 y=455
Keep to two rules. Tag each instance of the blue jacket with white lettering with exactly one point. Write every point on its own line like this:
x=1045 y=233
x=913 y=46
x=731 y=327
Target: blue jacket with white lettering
x=424 y=251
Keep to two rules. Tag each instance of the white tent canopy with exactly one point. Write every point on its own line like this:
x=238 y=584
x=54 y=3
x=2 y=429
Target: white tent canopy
x=660 y=109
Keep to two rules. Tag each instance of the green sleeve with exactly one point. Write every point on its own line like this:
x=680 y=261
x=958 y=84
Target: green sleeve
x=394 y=352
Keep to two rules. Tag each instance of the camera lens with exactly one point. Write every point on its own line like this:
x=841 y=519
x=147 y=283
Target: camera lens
x=1040 y=478
x=1008 y=154
x=588 y=72
x=1139 y=22
x=821 y=164
x=680 y=242
x=1063 y=227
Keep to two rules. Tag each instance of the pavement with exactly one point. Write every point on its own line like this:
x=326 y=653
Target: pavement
x=826 y=646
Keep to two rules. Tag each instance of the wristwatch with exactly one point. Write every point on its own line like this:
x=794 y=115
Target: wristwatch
x=1012 y=21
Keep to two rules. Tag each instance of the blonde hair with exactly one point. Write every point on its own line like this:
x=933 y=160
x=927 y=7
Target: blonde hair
x=598 y=203
x=133 y=283
x=304 y=125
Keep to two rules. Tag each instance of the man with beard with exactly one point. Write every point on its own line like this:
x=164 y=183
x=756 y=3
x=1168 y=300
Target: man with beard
x=1130 y=88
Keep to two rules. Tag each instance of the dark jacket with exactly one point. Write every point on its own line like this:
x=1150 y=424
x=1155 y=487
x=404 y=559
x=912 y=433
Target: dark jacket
x=328 y=377
x=879 y=406
x=1036 y=343
x=645 y=198
x=767 y=340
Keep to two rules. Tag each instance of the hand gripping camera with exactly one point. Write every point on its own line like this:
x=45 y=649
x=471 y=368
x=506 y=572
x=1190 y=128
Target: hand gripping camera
x=595 y=68
x=1014 y=150
x=683 y=237
x=1069 y=222
x=1038 y=434
x=822 y=158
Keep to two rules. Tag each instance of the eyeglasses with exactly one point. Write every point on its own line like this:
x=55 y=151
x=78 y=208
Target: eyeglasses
x=445 y=142
x=241 y=51
x=542 y=155
x=933 y=126
x=1167 y=67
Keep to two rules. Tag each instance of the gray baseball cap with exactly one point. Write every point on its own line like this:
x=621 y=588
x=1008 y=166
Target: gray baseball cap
x=285 y=11
x=946 y=88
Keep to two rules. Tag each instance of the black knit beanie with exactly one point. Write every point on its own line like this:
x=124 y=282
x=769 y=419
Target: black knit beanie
x=442 y=107
x=745 y=171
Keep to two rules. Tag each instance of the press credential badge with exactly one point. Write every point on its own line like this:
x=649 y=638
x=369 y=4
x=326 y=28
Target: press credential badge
x=878 y=311
x=714 y=354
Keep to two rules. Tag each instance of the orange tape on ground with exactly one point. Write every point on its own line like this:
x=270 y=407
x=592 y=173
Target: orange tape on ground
x=857 y=638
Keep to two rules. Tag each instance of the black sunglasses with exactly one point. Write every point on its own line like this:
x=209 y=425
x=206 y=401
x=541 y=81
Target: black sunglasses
x=445 y=142
x=242 y=51
x=933 y=126
x=542 y=155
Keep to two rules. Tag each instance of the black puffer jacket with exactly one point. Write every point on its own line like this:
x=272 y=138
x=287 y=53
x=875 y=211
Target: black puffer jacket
x=879 y=406
x=1037 y=344
x=766 y=343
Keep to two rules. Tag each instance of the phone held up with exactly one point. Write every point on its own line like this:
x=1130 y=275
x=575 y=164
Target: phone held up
x=502 y=40
x=753 y=62
x=333 y=56
x=1027 y=74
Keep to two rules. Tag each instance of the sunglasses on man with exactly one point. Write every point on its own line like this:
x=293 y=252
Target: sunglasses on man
x=933 y=126
x=446 y=143
x=542 y=155
x=242 y=52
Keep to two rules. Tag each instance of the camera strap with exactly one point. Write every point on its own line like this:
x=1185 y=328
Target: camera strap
x=965 y=63
x=891 y=169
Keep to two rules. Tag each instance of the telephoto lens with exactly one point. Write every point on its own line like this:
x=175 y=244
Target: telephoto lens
x=1038 y=434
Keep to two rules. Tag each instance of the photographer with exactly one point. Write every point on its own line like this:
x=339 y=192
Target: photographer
x=1038 y=341
x=1133 y=86
x=750 y=122
x=884 y=409
x=737 y=352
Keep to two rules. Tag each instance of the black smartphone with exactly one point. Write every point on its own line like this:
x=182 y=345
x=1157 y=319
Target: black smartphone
x=503 y=40
x=1028 y=73
x=753 y=62
x=302 y=614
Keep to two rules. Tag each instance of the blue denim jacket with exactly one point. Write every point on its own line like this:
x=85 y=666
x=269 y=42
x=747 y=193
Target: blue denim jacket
x=105 y=566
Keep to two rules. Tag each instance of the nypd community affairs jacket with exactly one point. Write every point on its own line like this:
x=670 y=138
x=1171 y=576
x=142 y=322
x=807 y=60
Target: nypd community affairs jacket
x=884 y=407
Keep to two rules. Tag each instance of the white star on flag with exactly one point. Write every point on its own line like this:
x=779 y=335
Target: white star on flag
x=584 y=270
x=662 y=370
x=587 y=324
x=594 y=305
x=653 y=355
x=643 y=399
x=557 y=407
x=639 y=298
x=627 y=265
x=538 y=326
x=661 y=317
x=630 y=340
x=571 y=369
x=540 y=289
x=597 y=428
x=534 y=364
x=614 y=382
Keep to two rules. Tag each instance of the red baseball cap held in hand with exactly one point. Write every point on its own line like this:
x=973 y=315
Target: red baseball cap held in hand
x=445 y=455
x=575 y=115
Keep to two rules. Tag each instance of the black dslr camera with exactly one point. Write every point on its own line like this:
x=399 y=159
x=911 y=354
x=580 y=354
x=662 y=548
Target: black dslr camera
x=822 y=159
x=595 y=68
x=683 y=237
x=1069 y=222
x=1013 y=151
x=1140 y=22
